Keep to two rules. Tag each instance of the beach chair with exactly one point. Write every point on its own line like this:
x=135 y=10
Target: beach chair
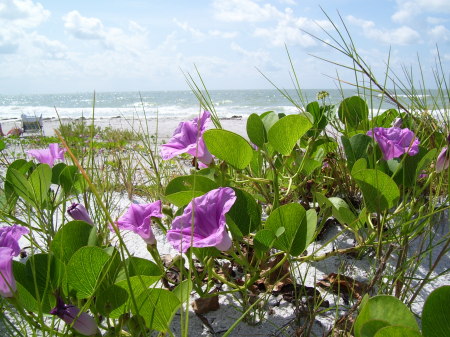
x=31 y=123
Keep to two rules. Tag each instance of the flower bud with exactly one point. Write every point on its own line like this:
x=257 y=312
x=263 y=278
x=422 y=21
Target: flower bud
x=83 y=323
x=442 y=161
x=78 y=212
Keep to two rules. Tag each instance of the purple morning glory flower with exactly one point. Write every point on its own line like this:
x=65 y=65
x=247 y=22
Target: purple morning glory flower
x=443 y=160
x=7 y=281
x=208 y=230
x=10 y=235
x=9 y=247
x=187 y=138
x=83 y=323
x=48 y=156
x=79 y=212
x=394 y=141
x=138 y=219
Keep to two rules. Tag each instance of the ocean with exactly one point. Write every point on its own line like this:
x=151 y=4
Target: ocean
x=228 y=103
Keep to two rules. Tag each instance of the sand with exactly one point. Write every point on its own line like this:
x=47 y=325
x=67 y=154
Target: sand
x=164 y=125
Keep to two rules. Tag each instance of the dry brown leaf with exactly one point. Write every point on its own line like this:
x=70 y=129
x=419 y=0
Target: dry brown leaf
x=277 y=274
x=204 y=305
x=281 y=285
x=344 y=284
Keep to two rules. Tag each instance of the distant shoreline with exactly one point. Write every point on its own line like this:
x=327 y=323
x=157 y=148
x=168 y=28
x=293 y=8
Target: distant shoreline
x=164 y=125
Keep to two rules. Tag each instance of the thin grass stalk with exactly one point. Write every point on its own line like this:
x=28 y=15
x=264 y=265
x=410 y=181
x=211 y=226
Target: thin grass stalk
x=203 y=96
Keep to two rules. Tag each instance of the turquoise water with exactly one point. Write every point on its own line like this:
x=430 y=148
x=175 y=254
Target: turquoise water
x=167 y=103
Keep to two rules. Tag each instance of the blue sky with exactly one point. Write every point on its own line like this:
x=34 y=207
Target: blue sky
x=54 y=46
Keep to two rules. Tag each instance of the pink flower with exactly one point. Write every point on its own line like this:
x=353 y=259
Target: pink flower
x=10 y=235
x=9 y=247
x=394 y=141
x=83 y=323
x=138 y=219
x=187 y=138
x=48 y=156
x=7 y=280
x=443 y=160
x=208 y=228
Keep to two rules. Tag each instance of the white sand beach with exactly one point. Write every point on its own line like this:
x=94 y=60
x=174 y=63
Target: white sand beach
x=164 y=126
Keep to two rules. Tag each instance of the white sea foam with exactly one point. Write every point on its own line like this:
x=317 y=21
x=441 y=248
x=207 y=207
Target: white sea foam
x=228 y=103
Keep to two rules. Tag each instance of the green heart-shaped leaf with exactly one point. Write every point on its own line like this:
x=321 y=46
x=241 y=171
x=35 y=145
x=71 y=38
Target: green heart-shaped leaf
x=181 y=190
x=69 y=238
x=436 y=313
x=352 y=111
x=84 y=270
x=256 y=131
x=285 y=133
x=379 y=190
x=299 y=227
x=229 y=146
x=388 y=310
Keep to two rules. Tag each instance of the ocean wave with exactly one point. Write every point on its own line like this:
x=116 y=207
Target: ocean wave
x=406 y=96
x=14 y=112
x=223 y=102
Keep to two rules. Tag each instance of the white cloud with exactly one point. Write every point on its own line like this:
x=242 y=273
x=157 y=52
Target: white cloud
x=436 y=21
x=284 y=33
x=250 y=54
x=134 y=27
x=403 y=35
x=82 y=27
x=259 y=58
x=9 y=40
x=291 y=30
x=187 y=28
x=288 y=2
x=132 y=42
x=17 y=18
x=51 y=49
x=224 y=35
x=439 y=33
x=199 y=35
x=408 y=9
x=8 y=47
x=22 y=13
x=285 y=29
x=243 y=11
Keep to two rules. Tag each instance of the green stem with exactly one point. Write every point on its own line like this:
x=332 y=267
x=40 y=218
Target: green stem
x=330 y=254
x=153 y=250
x=250 y=308
x=276 y=191
x=29 y=320
x=225 y=281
